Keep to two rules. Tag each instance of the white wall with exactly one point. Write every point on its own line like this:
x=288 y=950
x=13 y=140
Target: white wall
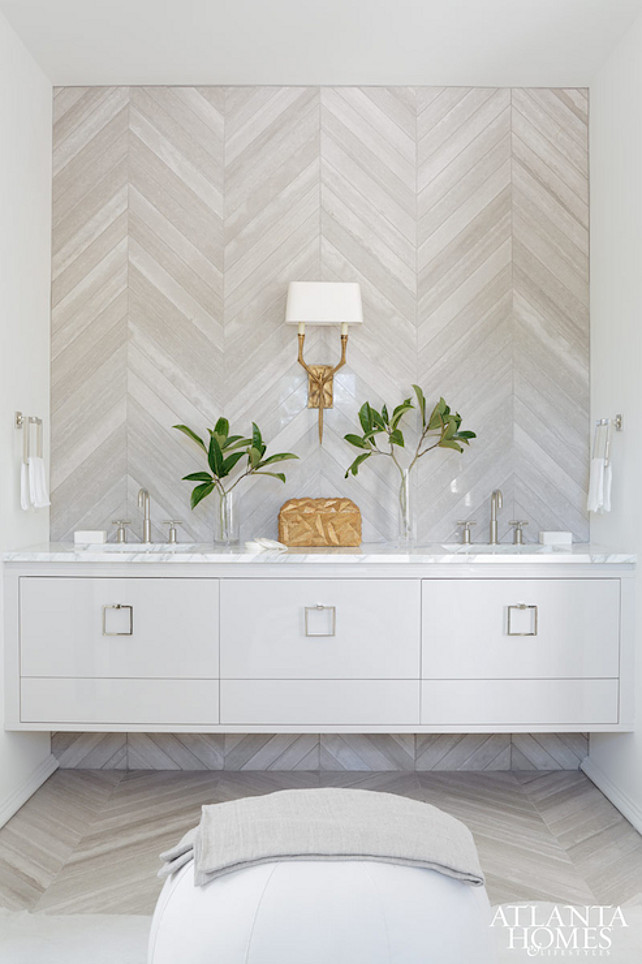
x=25 y=233
x=615 y=761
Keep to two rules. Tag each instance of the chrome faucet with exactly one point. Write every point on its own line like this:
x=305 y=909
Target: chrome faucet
x=496 y=502
x=143 y=503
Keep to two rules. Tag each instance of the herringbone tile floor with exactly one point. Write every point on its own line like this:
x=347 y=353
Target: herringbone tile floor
x=88 y=840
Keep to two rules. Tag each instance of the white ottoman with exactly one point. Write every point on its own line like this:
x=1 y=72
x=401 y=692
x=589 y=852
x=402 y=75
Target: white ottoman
x=322 y=912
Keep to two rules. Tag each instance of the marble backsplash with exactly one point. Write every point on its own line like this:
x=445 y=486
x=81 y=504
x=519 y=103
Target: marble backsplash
x=180 y=216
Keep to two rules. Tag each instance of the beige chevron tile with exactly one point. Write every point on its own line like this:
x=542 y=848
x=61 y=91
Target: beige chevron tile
x=557 y=122
x=81 y=115
x=39 y=839
x=95 y=491
x=464 y=278
x=551 y=296
x=387 y=782
x=89 y=303
x=521 y=858
x=181 y=214
x=611 y=860
x=601 y=843
x=272 y=237
x=64 y=98
x=89 y=842
x=449 y=124
x=232 y=785
x=346 y=182
x=115 y=865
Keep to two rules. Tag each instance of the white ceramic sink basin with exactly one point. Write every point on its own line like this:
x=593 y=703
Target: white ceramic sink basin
x=129 y=547
x=529 y=549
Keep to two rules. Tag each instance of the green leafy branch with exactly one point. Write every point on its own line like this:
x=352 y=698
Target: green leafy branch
x=440 y=429
x=224 y=452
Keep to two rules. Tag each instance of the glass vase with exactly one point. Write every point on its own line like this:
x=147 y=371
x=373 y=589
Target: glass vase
x=226 y=531
x=407 y=526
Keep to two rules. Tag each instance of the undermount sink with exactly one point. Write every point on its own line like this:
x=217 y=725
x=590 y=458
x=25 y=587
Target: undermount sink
x=117 y=547
x=503 y=548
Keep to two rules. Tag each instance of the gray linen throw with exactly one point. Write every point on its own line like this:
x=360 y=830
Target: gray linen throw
x=326 y=824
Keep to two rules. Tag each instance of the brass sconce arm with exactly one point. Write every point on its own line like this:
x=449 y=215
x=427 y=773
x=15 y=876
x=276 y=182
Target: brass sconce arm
x=320 y=380
x=323 y=303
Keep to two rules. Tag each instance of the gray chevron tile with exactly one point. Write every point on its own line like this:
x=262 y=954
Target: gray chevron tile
x=90 y=751
x=185 y=212
x=64 y=99
x=548 y=751
x=601 y=843
x=468 y=752
x=81 y=113
x=276 y=752
x=180 y=215
x=391 y=781
x=96 y=489
x=168 y=751
x=43 y=835
x=465 y=287
x=89 y=303
x=521 y=858
x=89 y=841
x=367 y=752
x=551 y=304
x=271 y=238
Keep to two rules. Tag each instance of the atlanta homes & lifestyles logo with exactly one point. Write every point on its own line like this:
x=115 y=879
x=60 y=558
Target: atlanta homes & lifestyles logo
x=561 y=930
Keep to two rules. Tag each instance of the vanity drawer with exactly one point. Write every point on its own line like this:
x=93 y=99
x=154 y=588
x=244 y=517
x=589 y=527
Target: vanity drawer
x=319 y=702
x=475 y=629
x=532 y=702
x=70 y=627
x=367 y=629
x=147 y=702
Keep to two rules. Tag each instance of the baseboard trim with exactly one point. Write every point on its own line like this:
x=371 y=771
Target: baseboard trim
x=14 y=801
x=627 y=807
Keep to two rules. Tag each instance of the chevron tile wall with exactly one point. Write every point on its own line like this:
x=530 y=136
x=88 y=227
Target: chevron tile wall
x=373 y=752
x=180 y=215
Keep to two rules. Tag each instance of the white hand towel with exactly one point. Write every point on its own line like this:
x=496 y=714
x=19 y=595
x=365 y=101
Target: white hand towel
x=38 y=483
x=25 y=500
x=595 y=499
x=32 y=480
x=608 y=479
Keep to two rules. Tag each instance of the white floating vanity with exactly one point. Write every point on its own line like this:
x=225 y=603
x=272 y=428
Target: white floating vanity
x=365 y=640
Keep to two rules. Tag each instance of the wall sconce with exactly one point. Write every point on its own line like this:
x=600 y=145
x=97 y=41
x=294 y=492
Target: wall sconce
x=323 y=303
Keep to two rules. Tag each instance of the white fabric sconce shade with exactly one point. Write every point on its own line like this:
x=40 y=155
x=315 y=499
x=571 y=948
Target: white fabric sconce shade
x=323 y=303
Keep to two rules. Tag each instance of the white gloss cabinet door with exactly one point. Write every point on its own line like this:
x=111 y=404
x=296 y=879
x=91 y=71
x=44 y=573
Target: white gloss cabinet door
x=308 y=702
x=131 y=702
x=164 y=628
x=519 y=702
x=475 y=628
x=363 y=629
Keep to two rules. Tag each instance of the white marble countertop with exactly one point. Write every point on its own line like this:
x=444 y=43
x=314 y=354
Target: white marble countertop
x=373 y=553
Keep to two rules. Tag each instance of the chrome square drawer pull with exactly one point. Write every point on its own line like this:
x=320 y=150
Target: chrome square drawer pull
x=120 y=607
x=522 y=607
x=332 y=610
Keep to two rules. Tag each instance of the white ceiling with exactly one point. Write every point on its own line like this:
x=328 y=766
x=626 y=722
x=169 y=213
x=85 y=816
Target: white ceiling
x=431 y=42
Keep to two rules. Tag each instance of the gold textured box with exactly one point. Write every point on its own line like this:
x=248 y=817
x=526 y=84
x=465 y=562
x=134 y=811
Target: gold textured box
x=320 y=522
